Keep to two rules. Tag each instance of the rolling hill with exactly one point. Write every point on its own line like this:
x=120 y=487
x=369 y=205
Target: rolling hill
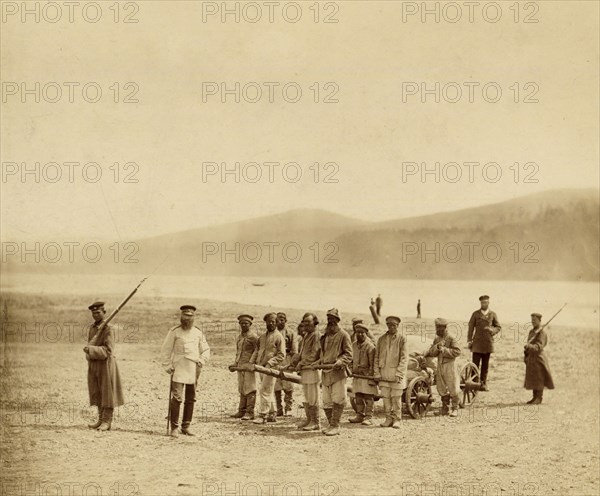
x=551 y=235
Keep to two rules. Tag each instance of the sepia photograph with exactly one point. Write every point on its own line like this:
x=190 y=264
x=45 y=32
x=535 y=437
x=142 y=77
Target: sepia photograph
x=300 y=248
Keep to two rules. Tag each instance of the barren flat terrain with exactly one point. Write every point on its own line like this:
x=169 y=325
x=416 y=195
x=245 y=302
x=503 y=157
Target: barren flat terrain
x=496 y=446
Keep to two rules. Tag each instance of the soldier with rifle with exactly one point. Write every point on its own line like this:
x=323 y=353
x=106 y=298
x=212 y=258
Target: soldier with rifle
x=537 y=370
x=184 y=353
x=104 y=381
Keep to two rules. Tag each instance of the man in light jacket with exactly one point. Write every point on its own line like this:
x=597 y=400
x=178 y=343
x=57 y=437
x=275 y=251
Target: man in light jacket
x=391 y=363
x=184 y=353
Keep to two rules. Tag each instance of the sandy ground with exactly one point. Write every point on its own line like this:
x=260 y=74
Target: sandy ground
x=497 y=446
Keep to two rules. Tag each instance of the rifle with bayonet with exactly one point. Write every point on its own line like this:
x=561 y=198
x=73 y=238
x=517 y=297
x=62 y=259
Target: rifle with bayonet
x=121 y=305
x=529 y=341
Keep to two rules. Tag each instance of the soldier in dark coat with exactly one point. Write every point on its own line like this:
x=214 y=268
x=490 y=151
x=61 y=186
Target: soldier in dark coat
x=104 y=382
x=483 y=327
x=537 y=370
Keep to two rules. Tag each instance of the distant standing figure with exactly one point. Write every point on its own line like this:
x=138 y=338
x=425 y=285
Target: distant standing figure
x=373 y=312
x=537 y=370
x=378 y=304
x=483 y=326
x=419 y=309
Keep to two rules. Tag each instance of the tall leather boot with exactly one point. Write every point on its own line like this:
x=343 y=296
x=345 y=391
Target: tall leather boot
x=445 y=405
x=387 y=409
x=314 y=424
x=279 y=404
x=96 y=424
x=336 y=416
x=538 y=397
x=250 y=402
x=484 y=386
x=174 y=417
x=188 y=412
x=308 y=418
x=359 y=409
x=107 y=416
x=396 y=414
x=289 y=400
x=453 y=406
x=241 y=407
x=328 y=412
x=369 y=406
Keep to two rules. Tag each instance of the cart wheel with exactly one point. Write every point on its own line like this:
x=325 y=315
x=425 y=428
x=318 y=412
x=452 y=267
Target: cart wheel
x=418 y=397
x=469 y=384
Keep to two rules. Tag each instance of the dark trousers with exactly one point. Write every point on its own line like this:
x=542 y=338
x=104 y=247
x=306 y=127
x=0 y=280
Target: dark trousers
x=482 y=360
x=188 y=406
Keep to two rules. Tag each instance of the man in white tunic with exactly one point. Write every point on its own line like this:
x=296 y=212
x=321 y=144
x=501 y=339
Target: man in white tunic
x=184 y=353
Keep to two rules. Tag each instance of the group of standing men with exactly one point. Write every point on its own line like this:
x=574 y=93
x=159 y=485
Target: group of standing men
x=323 y=362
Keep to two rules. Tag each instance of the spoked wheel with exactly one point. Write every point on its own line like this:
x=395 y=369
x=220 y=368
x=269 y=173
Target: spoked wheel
x=418 y=397
x=469 y=384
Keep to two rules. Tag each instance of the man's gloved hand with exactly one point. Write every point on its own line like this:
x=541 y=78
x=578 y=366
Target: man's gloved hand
x=170 y=370
x=338 y=365
x=86 y=349
x=399 y=379
x=470 y=344
x=231 y=367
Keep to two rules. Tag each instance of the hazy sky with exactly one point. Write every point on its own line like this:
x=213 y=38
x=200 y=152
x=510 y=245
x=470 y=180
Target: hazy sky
x=369 y=133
